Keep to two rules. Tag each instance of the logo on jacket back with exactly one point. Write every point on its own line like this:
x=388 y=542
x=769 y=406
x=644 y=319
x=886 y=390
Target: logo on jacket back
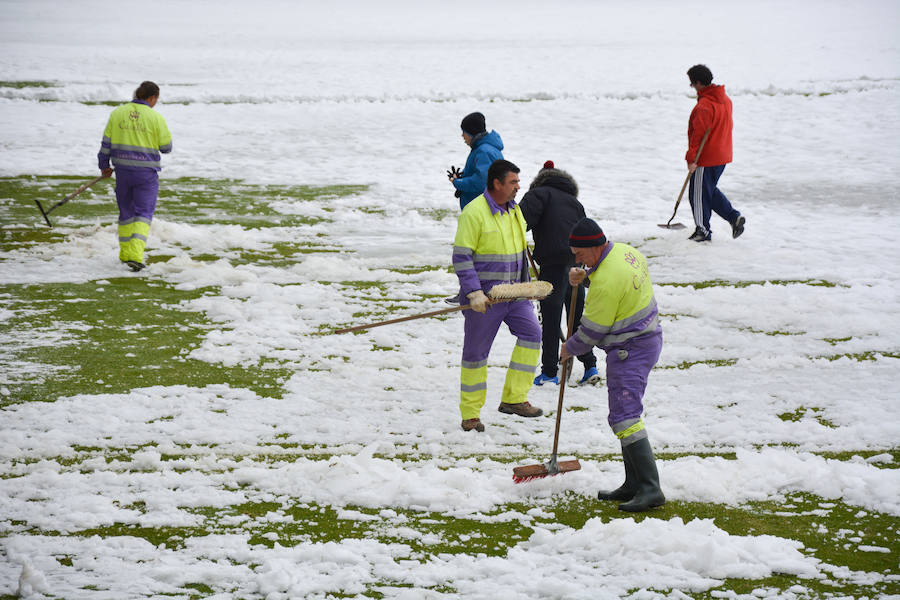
x=133 y=123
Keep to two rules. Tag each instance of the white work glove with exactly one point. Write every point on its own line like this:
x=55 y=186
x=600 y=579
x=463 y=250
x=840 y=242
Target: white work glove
x=478 y=301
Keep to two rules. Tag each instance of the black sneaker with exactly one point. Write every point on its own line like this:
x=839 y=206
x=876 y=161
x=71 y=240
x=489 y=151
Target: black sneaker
x=700 y=236
x=135 y=265
x=737 y=228
x=454 y=300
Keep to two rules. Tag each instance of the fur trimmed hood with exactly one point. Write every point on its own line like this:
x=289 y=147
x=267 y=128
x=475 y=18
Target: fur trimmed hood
x=556 y=178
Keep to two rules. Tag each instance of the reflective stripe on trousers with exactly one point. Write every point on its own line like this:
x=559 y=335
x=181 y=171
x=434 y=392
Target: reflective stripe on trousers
x=480 y=331
x=133 y=235
x=519 y=378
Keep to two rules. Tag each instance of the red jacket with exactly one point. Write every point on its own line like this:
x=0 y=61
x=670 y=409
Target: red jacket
x=713 y=110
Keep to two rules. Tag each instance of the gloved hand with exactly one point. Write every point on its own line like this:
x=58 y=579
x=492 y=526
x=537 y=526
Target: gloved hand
x=478 y=301
x=577 y=275
x=458 y=194
x=454 y=173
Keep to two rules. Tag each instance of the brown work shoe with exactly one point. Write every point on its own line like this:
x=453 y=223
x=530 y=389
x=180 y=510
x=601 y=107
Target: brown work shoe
x=523 y=409
x=470 y=424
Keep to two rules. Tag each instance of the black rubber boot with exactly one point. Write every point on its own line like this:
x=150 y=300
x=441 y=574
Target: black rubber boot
x=626 y=490
x=647 y=493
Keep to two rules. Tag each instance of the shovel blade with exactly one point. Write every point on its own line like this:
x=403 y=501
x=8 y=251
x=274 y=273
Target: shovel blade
x=529 y=472
x=671 y=226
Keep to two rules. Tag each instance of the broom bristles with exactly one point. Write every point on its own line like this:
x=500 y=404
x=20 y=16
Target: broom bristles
x=528 y=289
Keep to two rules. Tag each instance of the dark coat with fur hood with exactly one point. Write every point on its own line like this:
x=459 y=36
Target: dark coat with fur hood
x=551 y=209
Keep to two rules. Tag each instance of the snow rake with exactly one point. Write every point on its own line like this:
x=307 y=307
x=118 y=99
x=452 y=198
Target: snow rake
x=504 y=292
x=668 y=224
x=46 y=213
x=552 y=466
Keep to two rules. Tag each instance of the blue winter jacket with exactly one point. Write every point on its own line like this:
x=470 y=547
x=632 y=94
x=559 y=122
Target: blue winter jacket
x=485 y=150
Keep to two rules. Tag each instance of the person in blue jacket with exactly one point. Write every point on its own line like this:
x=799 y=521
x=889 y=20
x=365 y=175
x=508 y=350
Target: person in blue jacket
x=486 y=148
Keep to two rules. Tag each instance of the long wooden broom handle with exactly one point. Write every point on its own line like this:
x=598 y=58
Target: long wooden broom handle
x=433 y=313
x=84 y=187
x=688 y=178
x=565 y=370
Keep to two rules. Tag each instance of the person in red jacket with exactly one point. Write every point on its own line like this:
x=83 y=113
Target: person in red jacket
x=712 y=112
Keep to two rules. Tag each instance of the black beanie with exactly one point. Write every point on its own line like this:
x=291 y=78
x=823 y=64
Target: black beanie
x=473 y=123
x=586 y=233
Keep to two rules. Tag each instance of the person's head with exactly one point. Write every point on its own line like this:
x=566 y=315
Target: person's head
x=503 y=181
x=472 y=125
x=148 y=92
x=587 y=242
x=700 y=76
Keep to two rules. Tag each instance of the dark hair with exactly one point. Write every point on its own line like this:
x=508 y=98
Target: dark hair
x=700 y=74
x=146 y=90
x=498 y=170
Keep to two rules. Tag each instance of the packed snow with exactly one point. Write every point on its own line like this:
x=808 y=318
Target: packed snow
x=278 y=92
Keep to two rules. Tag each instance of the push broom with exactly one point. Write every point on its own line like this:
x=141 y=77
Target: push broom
x=554 y=467
x=46 y=213
x=504 y=292
x=668 y=224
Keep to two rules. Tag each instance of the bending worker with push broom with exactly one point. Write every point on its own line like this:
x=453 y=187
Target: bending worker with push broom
x=620 y=316
x=489 y=249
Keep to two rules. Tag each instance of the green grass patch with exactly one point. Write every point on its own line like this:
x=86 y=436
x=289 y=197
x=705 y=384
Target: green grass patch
x=19 y=85
x=699 y=285
x=111 y=338
x=713 y=362
x=831 y=531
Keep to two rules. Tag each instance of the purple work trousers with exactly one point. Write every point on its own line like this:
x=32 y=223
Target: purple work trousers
x=481 y=329
x=627 y=368
x=136 y=191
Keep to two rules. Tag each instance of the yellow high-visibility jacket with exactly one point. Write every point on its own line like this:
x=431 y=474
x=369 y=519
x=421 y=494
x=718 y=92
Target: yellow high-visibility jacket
x=489 y=247
x=620 y=304
x=134 y=137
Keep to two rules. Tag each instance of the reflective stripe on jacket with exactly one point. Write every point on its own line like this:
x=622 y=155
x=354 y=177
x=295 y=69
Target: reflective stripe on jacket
x=134 y=137
x=489 y=247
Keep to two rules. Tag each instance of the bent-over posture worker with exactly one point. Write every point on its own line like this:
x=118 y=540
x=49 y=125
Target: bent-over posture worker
x=489 y=249
x=135 y=135
x=620 y=316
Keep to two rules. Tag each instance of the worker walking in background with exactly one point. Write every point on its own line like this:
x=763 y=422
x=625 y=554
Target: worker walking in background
x=489 y=249
x=134 y=137
x=620 y=316
x=551 y=208
x=713 y=112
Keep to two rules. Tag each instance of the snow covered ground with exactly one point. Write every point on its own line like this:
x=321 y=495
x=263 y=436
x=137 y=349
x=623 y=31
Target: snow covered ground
x=285 y=92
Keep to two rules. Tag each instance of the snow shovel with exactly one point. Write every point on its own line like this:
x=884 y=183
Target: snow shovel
x=553 y=467
x=668 y=224
x=65 y=199
x=504 y=292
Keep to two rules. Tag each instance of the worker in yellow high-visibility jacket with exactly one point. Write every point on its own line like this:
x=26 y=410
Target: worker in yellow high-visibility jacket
x=489 y=249
x=620 y=316
x=134 y=137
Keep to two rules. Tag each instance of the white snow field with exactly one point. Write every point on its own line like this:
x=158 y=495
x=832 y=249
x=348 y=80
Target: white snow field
x=799 y=316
